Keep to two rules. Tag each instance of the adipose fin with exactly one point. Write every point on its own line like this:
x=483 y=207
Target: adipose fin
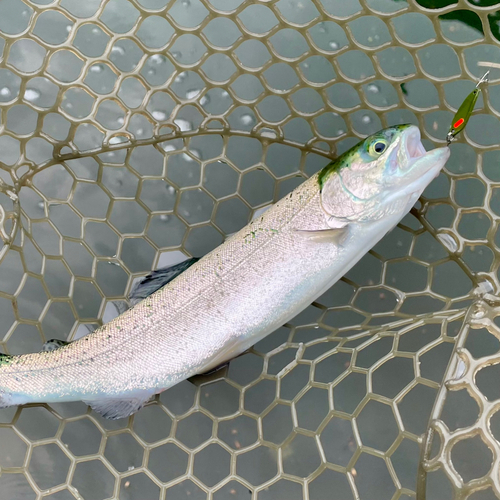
x=53 y=344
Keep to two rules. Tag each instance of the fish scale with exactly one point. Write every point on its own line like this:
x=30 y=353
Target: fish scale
x=203 y=297
x=257 y=280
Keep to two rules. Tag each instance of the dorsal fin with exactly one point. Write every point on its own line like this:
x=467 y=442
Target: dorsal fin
x=158 y=279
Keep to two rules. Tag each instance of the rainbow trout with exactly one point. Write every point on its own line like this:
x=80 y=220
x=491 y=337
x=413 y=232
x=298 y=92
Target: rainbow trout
x=253 y=283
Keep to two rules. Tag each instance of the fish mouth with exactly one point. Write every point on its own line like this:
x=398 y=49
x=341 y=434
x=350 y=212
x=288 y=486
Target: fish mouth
x=422 y=165
x=412 y=144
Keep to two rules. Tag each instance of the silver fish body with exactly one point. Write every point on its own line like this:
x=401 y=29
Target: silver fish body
x=237 y=294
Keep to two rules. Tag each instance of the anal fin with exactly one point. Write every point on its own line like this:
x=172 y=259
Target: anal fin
x=115 y=408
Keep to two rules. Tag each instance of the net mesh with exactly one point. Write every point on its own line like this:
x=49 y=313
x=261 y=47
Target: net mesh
x=137 y=133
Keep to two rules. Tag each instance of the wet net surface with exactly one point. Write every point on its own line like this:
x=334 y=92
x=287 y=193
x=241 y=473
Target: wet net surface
x=138 y=133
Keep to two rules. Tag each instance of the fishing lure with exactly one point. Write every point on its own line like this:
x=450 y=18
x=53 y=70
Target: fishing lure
x=465 y=111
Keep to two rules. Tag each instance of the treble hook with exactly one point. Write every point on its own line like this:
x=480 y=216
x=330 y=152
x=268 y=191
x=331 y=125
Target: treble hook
x=483 y=79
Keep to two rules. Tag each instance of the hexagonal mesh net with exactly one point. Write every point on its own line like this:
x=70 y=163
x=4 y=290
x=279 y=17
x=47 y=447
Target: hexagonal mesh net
x=136 y=133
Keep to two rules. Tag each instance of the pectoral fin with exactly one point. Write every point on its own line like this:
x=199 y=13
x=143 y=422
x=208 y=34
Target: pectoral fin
x=114 y=408
x=336 y=235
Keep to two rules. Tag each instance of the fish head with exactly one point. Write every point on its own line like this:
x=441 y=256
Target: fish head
x=383 y=174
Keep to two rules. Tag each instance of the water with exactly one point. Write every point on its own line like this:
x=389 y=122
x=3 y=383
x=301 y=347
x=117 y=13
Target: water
x=159 y=115
x=247 y=119
x=448 y=241
x=116 y=49
x=191 y=94
x=31 y=95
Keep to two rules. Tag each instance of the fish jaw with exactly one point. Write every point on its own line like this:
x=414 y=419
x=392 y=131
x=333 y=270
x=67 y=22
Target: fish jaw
x=424 y=170
x=419 y=167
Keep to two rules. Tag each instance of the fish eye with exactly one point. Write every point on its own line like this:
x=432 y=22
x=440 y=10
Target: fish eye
x=379 y=147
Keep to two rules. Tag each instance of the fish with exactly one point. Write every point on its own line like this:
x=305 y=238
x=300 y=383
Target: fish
x=217 y=307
